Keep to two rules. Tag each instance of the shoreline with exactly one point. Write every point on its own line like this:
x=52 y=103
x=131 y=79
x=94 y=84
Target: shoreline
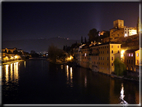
x=9 y=62
x=114 y=76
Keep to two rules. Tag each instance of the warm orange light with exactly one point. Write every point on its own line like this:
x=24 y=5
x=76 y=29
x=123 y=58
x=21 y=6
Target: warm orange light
x=122 y=53
x=69 y=58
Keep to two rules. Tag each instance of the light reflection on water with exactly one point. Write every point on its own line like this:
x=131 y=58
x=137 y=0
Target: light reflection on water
x=16 y=76
x=67 y=72
x=25 y=64
x=6 y=73
x=71 y=77
x=85 y=82
x=81 y=84
x=11 y=73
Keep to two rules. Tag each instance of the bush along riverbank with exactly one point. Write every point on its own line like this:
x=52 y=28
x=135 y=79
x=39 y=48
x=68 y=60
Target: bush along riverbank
x=127 y=76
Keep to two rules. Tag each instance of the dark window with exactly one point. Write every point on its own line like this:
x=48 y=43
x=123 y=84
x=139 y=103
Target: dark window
x=112 y=64
x=131 y=61
x=112 y=58
x=118 y=51
x=112 y=51
x=112 y=46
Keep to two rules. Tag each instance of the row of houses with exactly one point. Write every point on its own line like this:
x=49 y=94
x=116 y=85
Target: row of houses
x=100 y=57
x=10 y=54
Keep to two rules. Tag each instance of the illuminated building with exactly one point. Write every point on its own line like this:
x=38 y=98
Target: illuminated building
x=119 y=30
x=132 y=60
x=99 y=57
x=103 y=57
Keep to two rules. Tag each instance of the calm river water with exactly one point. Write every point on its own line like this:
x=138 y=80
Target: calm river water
x=37 y=81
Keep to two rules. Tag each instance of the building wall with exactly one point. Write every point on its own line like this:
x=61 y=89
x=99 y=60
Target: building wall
x=130 y=61
x=85 y=57
x=105 y=60
x=118 y=23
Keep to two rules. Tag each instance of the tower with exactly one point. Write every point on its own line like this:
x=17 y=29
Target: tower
x=118 y=23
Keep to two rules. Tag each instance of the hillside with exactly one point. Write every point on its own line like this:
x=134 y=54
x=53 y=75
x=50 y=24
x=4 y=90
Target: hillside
x=38 y=45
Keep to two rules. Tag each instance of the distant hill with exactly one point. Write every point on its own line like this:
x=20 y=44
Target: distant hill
x=38 y=45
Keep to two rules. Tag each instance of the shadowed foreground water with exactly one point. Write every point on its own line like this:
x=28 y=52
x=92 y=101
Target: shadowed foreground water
x=37 y=81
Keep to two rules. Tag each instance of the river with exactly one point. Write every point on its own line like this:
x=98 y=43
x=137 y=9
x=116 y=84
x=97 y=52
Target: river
x=37 y=81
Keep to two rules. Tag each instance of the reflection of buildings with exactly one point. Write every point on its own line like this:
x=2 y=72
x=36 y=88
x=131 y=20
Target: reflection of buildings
x=6 y=73
x=10 y=72
x=67 y=72
x=69 y=75
x=16 y=72
x=113 y=97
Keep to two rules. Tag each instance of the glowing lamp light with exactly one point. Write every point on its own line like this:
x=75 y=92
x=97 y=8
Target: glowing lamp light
x=122 y=53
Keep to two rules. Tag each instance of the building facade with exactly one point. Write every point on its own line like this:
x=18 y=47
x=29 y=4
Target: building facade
x=119 y=30
x=99 y=57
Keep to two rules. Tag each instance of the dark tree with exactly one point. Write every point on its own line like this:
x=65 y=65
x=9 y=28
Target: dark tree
x=9 y=52
x=93 y=35
x=15 y=52
x=5 y=51
x=64 y=48
x=85 y=40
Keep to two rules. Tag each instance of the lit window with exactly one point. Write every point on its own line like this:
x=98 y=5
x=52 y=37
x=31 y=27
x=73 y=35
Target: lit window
x=137 y=54
x=132 y=54
x=118 y=46
x=85 y=55
x=129 y=54
x=112 y=46
x=125 y=35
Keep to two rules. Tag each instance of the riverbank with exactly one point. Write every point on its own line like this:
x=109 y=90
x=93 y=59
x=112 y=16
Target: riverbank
x=127 y=77
x=9 y=62
x=130 y=78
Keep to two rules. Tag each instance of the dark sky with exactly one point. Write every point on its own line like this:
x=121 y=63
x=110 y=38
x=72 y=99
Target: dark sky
x=32 y=20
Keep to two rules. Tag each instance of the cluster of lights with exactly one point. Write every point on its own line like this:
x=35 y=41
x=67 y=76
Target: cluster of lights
x=15 y=57
x=69 y=58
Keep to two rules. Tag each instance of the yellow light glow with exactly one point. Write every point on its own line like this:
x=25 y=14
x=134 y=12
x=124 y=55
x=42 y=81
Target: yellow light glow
x=16 y=56
x=69 y=58
x=16 y=77
x=6 y=73
x=11 y=57
x=11 y=71
x=67 y=72
x=71 y=77
x=122 y=53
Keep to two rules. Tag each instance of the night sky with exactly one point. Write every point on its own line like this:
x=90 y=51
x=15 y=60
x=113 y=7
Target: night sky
x=33 y=20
